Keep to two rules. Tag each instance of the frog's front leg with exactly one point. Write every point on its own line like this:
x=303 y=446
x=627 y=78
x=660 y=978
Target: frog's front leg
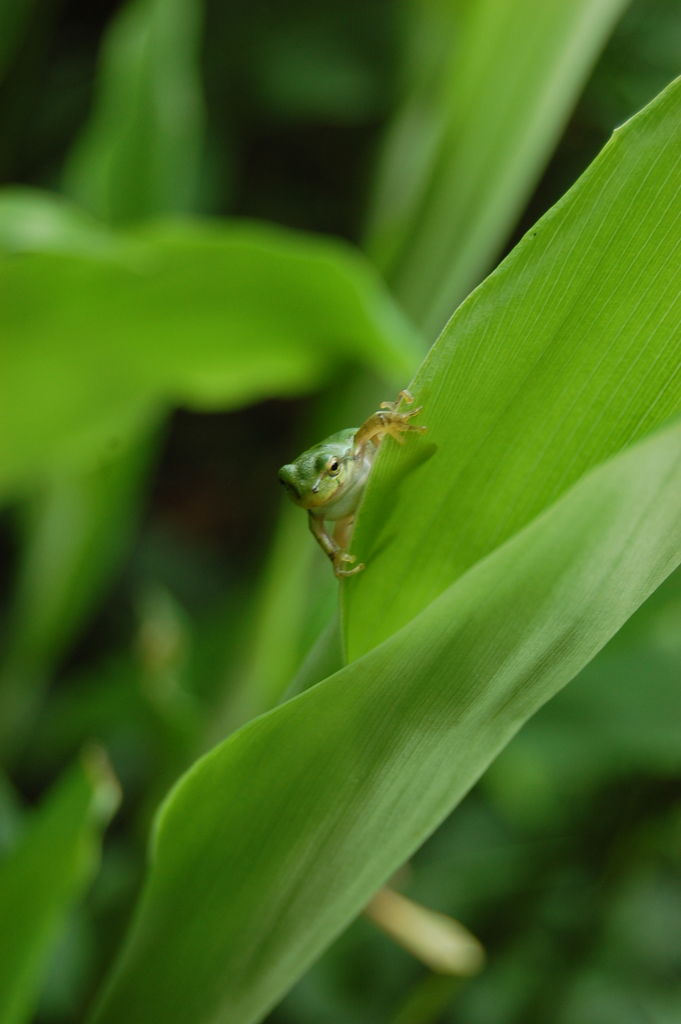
x=387 y=421
x=334 y=547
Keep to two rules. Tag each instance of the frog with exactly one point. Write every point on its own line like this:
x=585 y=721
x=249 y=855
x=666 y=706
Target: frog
x=329 y=479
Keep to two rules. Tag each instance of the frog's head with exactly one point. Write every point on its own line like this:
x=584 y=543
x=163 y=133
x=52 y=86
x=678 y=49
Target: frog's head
x=319 y=475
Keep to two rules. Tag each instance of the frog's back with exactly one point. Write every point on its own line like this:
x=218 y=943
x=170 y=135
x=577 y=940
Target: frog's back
x=341 y=437
x=313 y=461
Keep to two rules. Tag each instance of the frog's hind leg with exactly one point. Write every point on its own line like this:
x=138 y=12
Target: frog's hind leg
x=343 y=532
x=331 y=545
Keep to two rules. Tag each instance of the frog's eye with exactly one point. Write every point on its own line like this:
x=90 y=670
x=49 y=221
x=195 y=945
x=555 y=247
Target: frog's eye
x=332 y=467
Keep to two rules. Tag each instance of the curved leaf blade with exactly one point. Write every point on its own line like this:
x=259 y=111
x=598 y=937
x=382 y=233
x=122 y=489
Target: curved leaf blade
x=568 y=352
x=276 y=839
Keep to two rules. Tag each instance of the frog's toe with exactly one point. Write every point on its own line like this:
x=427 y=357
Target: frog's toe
x=403 y=396
x=349 y=572
x=341 y=558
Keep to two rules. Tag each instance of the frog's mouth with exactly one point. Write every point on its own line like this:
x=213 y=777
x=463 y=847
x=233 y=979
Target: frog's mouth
x=313 y=498
x=316 y=500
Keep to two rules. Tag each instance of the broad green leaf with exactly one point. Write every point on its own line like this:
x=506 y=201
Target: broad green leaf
x=139 y=155
x=207 y=314
x=271 y=843
x=43 y=876
x=568 y=352
x=489 y=88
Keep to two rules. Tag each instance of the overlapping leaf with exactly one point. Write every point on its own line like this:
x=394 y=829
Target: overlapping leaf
x=568 y=352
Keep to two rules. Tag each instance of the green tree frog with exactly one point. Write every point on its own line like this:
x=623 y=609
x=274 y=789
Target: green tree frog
x=329 y=479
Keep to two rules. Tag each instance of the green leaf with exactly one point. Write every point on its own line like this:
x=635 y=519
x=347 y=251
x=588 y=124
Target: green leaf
x=33 y=221
x=620 y=716
x=139 y=155
x=277 y=838
x=568 y=352
x=206 y=314
x=43 y=876
x=490 y=87
x=280 y=609
x=75 y=531
x=10 y=814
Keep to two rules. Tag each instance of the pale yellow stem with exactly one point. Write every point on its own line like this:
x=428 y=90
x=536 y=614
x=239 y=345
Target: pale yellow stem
x=440 y=942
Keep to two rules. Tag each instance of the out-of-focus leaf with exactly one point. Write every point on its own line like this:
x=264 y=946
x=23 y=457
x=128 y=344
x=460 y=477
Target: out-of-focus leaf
x=206 y=314
x=10 y=814
x=33 y=221
x=137 y=703
x=106 y=701
x=568 y=352
x=276 y=839
x=76 y=529
x=139 y=155
x=43 y=876
x=491 y=84
x=75 y=525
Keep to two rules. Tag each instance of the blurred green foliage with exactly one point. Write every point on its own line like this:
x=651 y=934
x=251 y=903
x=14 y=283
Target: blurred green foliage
x=155 y=598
